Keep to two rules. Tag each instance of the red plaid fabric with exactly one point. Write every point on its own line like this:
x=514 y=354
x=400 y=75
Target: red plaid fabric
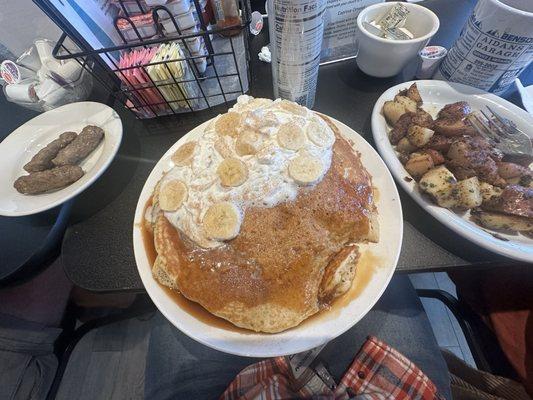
x=377 y=372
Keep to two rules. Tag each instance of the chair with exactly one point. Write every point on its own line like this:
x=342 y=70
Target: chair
x=484 y=346
x=71 y=335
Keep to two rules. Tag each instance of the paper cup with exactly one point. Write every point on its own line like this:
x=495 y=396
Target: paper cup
x=44 y=49
x=30 y=59
x=52 y=93
x=64 y=73
x=495 y=46
x=382 y=57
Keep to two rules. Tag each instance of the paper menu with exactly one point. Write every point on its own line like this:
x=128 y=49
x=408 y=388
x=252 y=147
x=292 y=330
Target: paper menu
x=340 y=28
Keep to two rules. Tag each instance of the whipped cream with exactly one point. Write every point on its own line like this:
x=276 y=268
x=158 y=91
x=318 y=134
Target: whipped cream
x=268 y=182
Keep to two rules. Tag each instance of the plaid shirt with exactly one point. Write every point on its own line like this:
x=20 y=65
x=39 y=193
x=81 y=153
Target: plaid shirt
x=377 y=372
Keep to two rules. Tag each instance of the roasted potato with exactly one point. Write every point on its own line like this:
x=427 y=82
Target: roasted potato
x=392 y=111
x=453 y=128
x=468 y=193
x=405 y=146
x=437 y=157
x=510 y=171
x=438 y=182
x=489 y=191
x=418 y=164
x=422 y=118
x=457 y=151
x=505 y=222
x=414 y=94
x=518 y=180
x=448 y=200
x=406 y=102
x=440 y=143
x=455 y=111
x=419 y=136
x=400 y=127
x=513 y=181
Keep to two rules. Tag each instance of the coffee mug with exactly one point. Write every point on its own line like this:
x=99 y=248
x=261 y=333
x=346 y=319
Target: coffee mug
x=381 y=57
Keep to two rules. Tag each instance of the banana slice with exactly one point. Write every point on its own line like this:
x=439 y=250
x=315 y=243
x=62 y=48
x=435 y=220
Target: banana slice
x=183 y=156
x=222 y=221
x=259 y=119
x=306 y=169
x=227 y=124
x=259 y=103
x=232 y=172
x=172 y=195
x=248 y=142
x=291 y=136
x=292 y=107
x=320 y=134
x=224 y=146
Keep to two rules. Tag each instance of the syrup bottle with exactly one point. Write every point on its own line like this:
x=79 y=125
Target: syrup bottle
x=227 y=14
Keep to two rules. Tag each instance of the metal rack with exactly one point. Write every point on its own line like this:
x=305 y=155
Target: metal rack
x=224 y=78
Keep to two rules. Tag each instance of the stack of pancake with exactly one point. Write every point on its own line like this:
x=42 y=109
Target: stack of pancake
x=258 y=219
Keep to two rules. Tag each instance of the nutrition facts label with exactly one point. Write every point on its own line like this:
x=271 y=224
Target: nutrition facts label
x=296 y=40
x=487 y=59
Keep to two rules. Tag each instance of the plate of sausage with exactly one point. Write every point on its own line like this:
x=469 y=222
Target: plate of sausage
x=55 y=156
x=460 y=176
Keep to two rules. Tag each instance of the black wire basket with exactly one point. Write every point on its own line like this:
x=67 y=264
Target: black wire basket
x=191 y=82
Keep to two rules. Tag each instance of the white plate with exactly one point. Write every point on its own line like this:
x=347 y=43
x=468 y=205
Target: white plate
x=311 y=333
x=24 y=142
x=435 y=95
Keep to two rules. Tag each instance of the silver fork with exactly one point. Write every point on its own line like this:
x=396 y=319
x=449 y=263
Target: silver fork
x=502 y=132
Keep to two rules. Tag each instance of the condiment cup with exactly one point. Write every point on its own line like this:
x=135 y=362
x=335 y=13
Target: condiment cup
x=384 y=58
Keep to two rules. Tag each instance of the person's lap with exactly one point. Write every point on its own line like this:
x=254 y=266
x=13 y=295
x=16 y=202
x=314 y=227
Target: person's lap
x=27 y=361
x=178 y=367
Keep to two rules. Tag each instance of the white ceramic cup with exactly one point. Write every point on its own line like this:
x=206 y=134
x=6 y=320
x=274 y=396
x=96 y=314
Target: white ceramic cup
x=383 y=58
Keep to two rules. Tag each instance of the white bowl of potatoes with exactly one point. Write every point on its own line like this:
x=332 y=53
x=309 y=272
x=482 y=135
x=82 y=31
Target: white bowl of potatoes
x=448 y=169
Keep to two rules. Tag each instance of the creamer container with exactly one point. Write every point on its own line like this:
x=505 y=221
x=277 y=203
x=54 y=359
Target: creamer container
x=495 y=46
x=296 y=28
x=430 y=58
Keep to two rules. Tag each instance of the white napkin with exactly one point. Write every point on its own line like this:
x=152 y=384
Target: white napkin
x=265 y=54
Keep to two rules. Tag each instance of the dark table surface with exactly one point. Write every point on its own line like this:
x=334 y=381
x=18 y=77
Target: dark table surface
x=27 y=243
x=98 y=250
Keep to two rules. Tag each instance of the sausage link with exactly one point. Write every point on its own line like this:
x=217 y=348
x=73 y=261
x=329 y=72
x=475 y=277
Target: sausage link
x=43 y=181
x=81 y=147
x=43 y=159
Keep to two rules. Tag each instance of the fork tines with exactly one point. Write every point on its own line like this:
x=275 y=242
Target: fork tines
x=502 y=132
x=482 y=124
